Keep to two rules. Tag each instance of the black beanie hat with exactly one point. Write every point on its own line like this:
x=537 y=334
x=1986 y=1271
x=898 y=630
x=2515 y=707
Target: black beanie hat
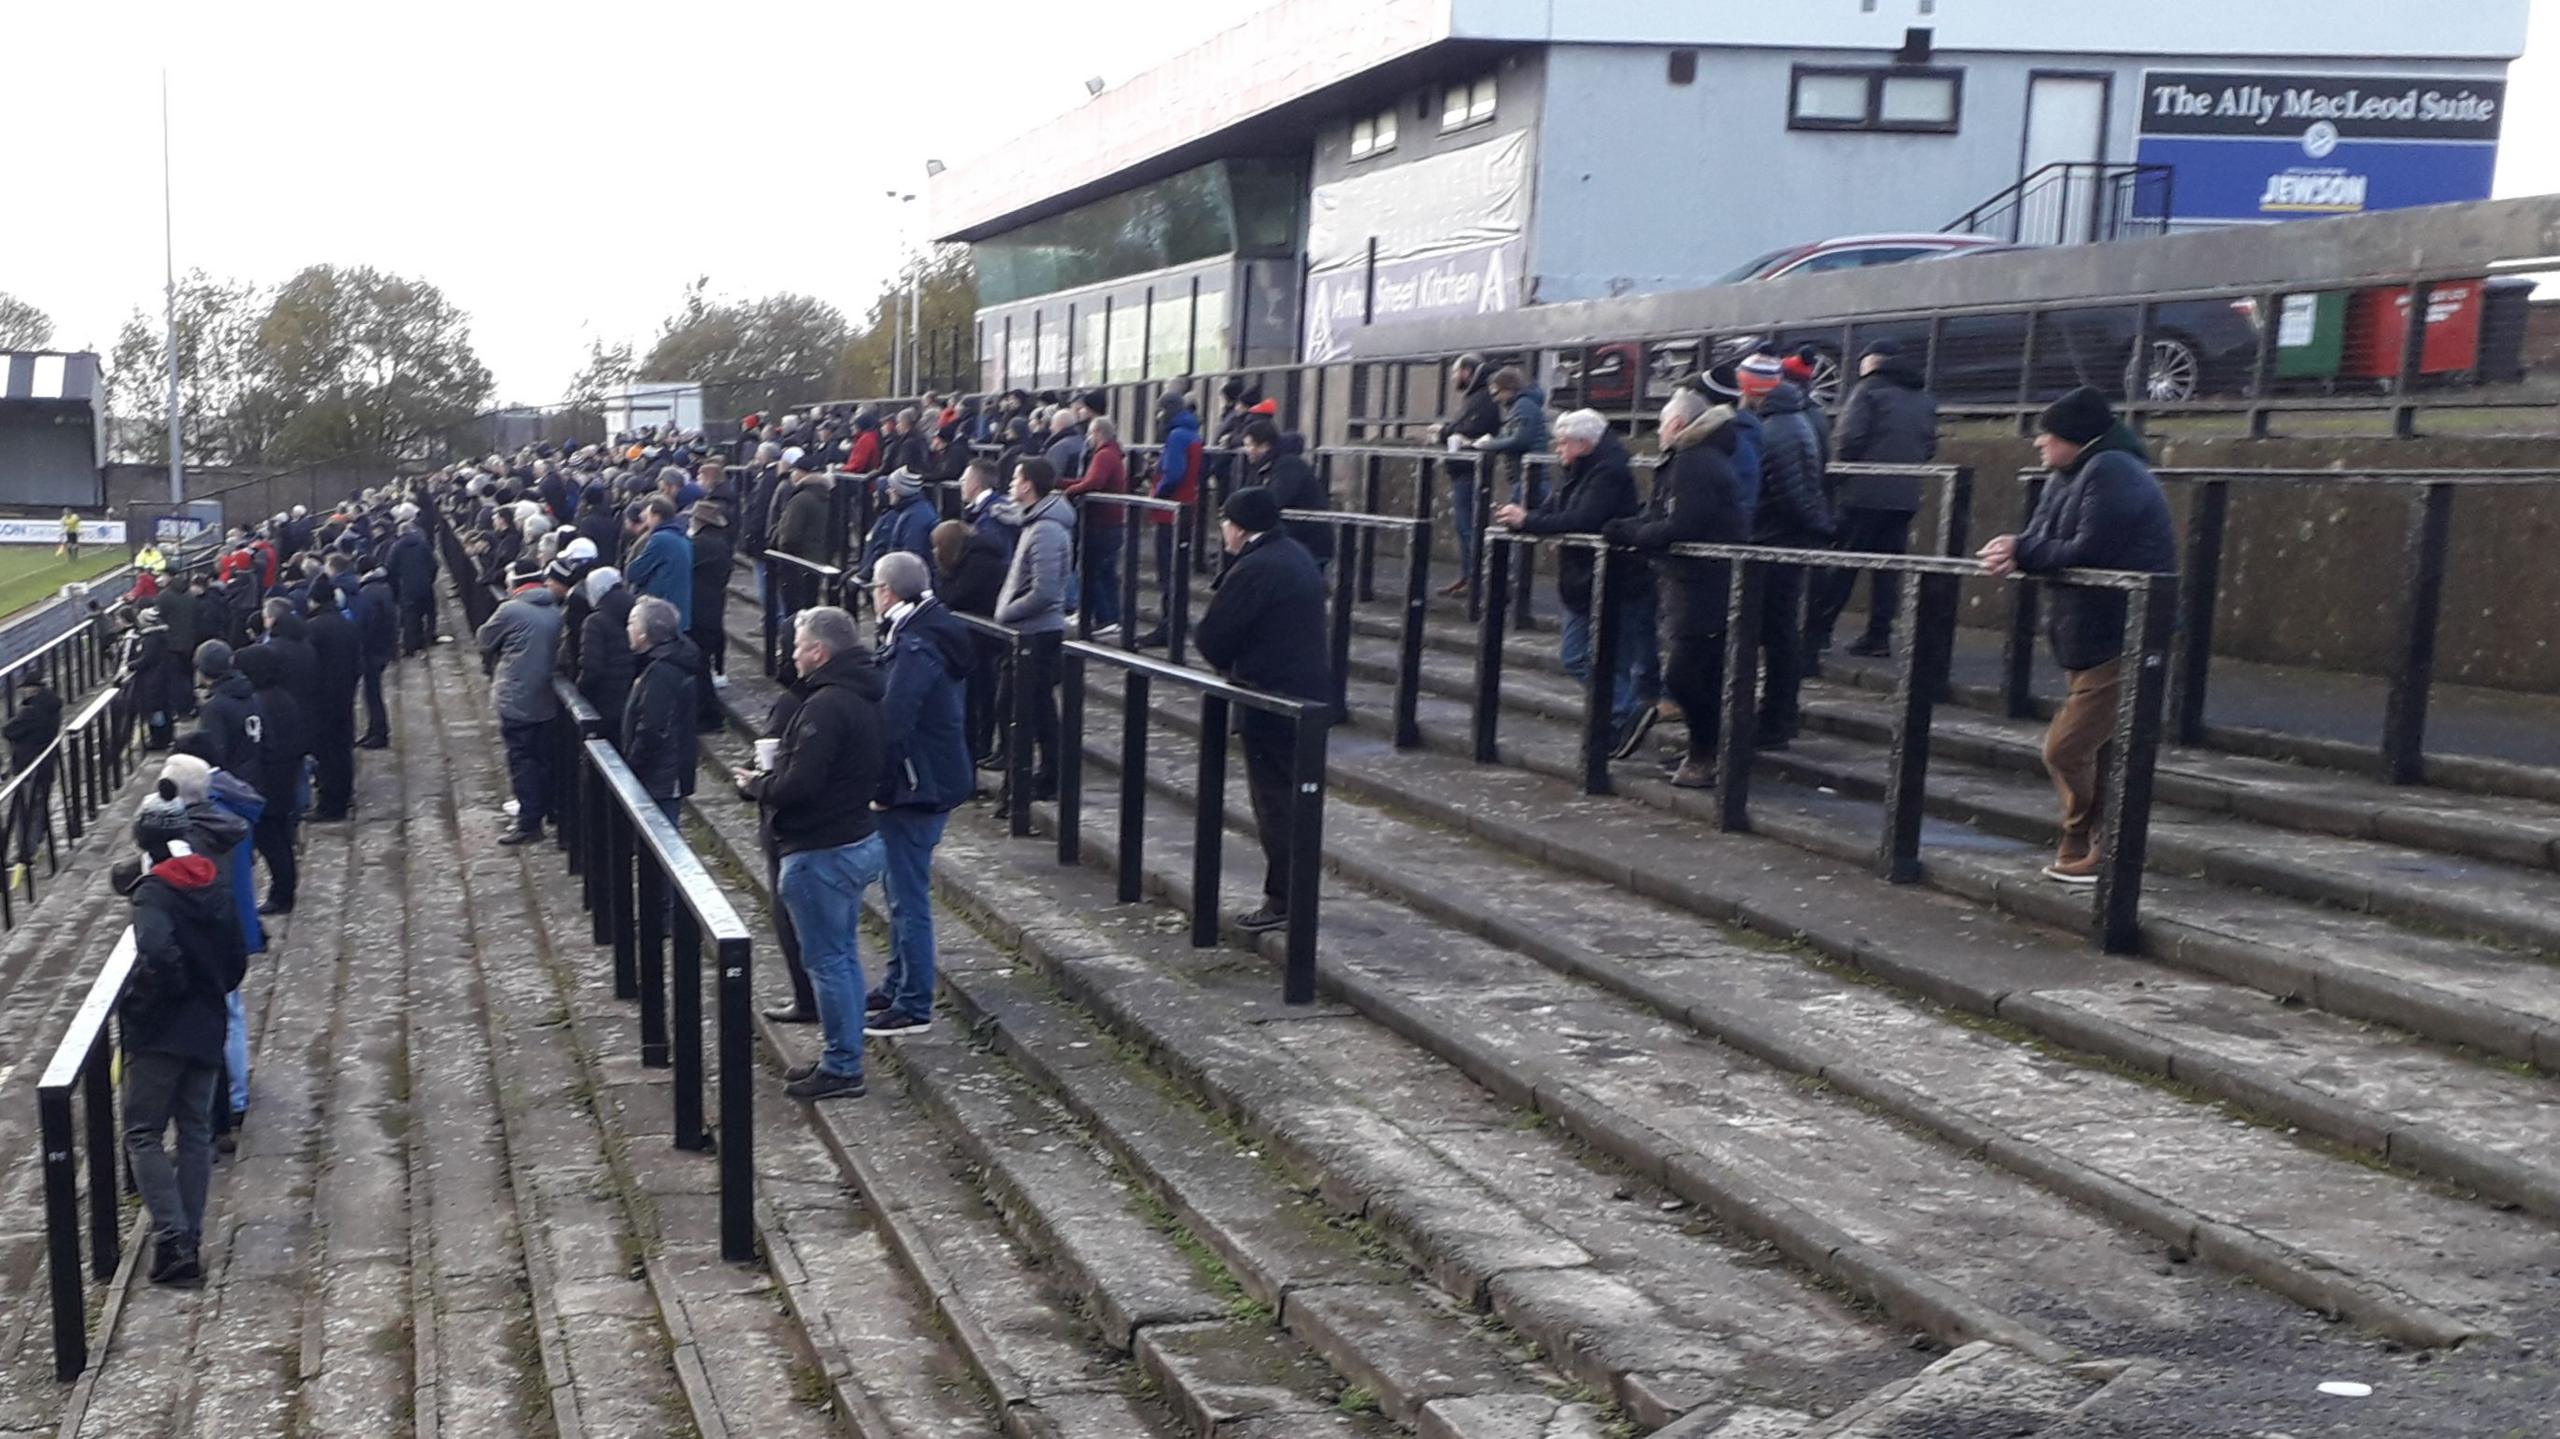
x=2080 y=417
x=1253 y=509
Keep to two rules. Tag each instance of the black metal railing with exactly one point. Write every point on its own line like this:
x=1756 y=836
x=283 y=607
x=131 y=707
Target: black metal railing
x=792 y=584
x=2428 y=528
x=2076 y=202
x=1012 y=649
x=82 y=1064
x=652 y=900
x=1355 y=553
x=97 y=756
x=1929 y=609
x=1308 y=722
x=1173 y=587
x=26 y=826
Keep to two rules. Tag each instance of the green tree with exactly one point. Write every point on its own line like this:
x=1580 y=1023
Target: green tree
x=228 y=419
x=365 y=362
x=748 y=354
x=608 y=368
x=23 y=326
x=950 y=305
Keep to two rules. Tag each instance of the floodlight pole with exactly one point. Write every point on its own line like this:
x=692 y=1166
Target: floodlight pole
x=169 y=271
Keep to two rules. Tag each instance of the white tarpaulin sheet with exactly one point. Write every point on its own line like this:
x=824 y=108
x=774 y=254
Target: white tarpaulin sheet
x=1458 y=200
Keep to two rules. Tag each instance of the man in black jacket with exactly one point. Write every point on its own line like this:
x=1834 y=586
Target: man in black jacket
x=30 y=732
x=829 y=764
x=188 y=955
x=1697 y=499
x=338 y=650
x=1477 y=416
x=378 y=626
x=925 y=658
x=284 y=742
x=1264 y=629
x=657 y=720
x=605 y=663
x=1794 y=513
x=2102 y=510
x=1891 y=419
x=713 y=567
x=1279 y=462
x=413 y=579
x=1599 y=486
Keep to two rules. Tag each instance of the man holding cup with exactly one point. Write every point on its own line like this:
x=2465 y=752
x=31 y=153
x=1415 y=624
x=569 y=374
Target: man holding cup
x=830 y=849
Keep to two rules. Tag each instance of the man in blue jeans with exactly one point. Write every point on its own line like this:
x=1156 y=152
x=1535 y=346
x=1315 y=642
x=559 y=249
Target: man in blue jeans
x=827 y=837
x=925 y=655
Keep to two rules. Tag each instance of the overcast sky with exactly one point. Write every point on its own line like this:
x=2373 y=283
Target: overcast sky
x=562 y=170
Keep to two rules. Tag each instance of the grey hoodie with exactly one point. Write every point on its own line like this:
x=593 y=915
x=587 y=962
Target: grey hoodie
x=523 y=639
x=1034 y=597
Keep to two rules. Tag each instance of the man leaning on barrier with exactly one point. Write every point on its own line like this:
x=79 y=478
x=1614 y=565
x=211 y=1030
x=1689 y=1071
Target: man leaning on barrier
x=1265 y=630
x=2102 y=510
x=925 y=658
x=829 y=757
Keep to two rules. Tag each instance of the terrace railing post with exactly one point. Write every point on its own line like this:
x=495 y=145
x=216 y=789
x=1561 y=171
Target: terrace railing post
x=1017 y=733
x=688 y=1035
x=1346 y=591
x=2134 y=750
x=62 y=1233
x=1525 y=581
x=1600 y=692
x=2262 y=368
x=1306 y=852
x=2413 y=354
x=2199 y=594
x=1741 y=696
x=737 y=1139
x=765 y=580
x=1417 y=603
x=600 y=855
x=1372 y=492
x=2404 y=715
x=1070 y=758
x=1496 y=591
x=1133 y=519
x=1135 y=698
x=1209 y=820
x=1177 y=625
x=1929 y=618
x=623 y=928
x=1480 y=524
x=652 y=895
x=1955 y=514
x=2018 y=650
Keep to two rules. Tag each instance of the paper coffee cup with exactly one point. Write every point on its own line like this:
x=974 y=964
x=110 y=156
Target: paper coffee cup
x=767 y=752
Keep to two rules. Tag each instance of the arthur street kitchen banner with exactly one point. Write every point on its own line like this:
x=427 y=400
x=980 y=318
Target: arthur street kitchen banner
x=2273 y=146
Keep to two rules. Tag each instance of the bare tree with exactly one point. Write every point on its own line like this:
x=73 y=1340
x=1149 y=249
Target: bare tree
x=23 y=326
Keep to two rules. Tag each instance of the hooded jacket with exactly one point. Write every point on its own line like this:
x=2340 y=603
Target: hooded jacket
x=230 y=717
x=1034 y=596
x=284 y=735
x=605 y=662
x=522 y=639
x=413 y=567
x=831 y=758
x=907 y=524
x=1696 y=501
x=1598 y=488
x=926 y=666
x=1793 y=509
x=1477 y=415
x=378 y=619
x=290 y=641
x=339 y=649
x=1178 y=468
x=1106 y=471
x=800 y=526
x=659 y=738
x=218 y=828
x=1524 y=424
x=188 y=956
x=32 y=728
x=1890 y=420
x=662 y=565
x=978 y=577
x=1265 y=625
x=2103 y=511
x=714 y=564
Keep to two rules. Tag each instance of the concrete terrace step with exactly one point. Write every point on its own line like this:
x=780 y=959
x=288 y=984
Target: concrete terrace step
x=1185 y=1280
x=2197 y=1180
x=639 y=1217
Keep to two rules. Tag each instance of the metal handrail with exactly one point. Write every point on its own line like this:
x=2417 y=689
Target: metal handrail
x=1309 y=721
x=79 y=1061
x=1017 y=742
x=1173 y=590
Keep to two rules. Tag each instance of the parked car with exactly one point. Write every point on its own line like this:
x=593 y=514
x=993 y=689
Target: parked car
x=1852 y=252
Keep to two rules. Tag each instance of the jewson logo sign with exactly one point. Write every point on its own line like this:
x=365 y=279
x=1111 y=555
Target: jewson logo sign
x=2274 y=146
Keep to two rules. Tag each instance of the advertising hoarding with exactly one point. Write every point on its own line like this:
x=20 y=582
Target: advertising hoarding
x=2270 y=145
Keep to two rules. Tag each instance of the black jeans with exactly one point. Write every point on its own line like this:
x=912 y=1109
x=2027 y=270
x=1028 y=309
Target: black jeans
x=333 y=756
x=786 y=936
x=417 y=625
x=1693 y=676
x=1266 y=773
x=377 y=720
x=159 y=1088
x=277 y=833
x=1039 y=672
x=528 y=769
x=713 y=641
x=1881 y=532
x=1781 y=650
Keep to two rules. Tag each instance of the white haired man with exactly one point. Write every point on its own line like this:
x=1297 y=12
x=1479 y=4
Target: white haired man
x=1599 y=486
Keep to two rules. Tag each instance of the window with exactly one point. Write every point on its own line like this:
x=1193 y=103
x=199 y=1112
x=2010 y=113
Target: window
x=1903 y=98
x=1373 y=133
x=1465 y=105
x=1860 y=257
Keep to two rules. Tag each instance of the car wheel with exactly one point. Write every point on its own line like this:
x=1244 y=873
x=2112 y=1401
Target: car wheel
x=1827 y=381
x=2176 y=371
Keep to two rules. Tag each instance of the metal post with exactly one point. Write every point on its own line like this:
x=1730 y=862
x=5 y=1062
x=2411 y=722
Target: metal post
x=2413 y=354
x=1525 y=579
x=1929 y=619
x=1017 y=734
x=737 y=1138
x=1132 y=519
x=1955 y=514
x=2199 y=593
x=652 y=892
x=1741 y=696
x=1209 y=820
x=1417 y=601
x=1070 y=758
x=1134 y=705
x=98 y=1108
x=2404 y=715
x=688 y=1034
x=62 y=1234
x=626 y=955
x=1489 y=630
x=1372 y=486
x=1346 y=581
x=2262 y=368
x=1306 y=852
x=1600 y=691
x=2018 y=650
x=600 y=871
x=2135 y=748
x=1177 y=627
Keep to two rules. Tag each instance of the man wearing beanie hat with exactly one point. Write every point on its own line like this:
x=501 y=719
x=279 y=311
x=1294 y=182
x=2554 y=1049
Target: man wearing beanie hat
x=1891 y=419
x=187 y=957
x=222 y=812
x=228 y=717
x=1794 y=512
x=1265 y=629
x=2102 y=509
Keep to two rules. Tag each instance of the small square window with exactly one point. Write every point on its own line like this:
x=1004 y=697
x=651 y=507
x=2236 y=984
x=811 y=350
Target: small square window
x=1918 y=100
x=1832 y=98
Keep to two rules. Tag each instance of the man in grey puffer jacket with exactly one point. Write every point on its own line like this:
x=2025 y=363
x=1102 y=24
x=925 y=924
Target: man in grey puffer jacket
x=1034 y=601
x=520 y=642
